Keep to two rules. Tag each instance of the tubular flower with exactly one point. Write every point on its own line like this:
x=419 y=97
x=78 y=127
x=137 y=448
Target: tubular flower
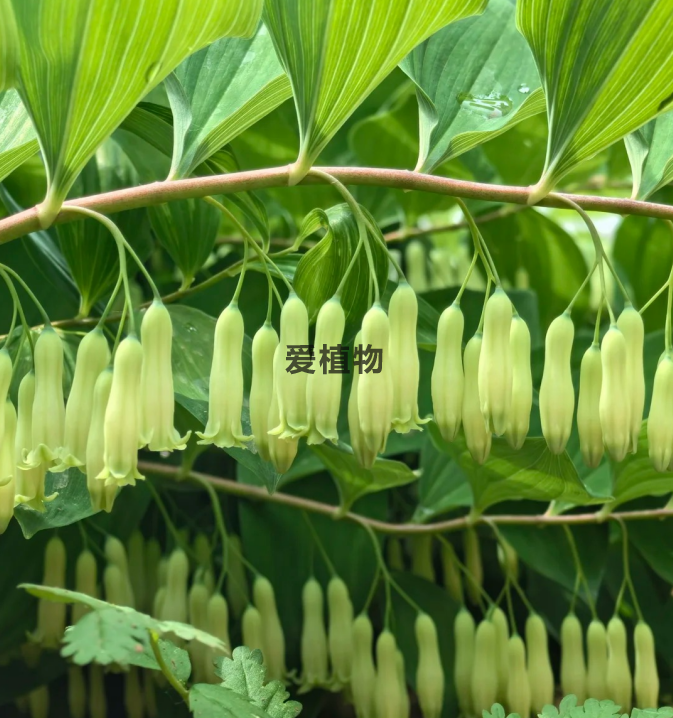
x=447 y=373
x=225 y=395
x=289 y=376
x=7 y=466
x=659 y=425
x=29 y=481
x=264 y=346
x=403 y=358
x=614 y=403
x=588 y=414
x=48 y=405
x=5 y=379
x=375 y=390
x=557 y=394
x=121 y=429
x=477 y=436
x=495 y=363
x=631 y=324
x=323 y=388
x=93 y=355
x=102 y=495
x=157 y=404
x=522 y=384
x=281 y=451
x=364 y=454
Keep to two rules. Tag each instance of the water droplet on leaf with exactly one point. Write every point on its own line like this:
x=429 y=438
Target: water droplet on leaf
x=491 y=106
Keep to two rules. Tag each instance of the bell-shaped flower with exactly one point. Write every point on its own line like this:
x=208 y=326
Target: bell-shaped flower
x=403 y=358
x=477 y=435
x=102 y=495
x=93 y=355
x=282 y=451
x=121 y=428
x=264 y=345
x=630 y=322
x=588 y=412
x=225 y=394
x=363 y=453
x=659 y=424
x=157 y=403
x=375 y=388
x=447 y=373
x=614 y=403
x=48 y=405
x=495 y=363
x=522 y=384
x=7 y=466
x=5 y=379
x=323 y=388
x=29 y=480
x=557 y=393
x=290 y=385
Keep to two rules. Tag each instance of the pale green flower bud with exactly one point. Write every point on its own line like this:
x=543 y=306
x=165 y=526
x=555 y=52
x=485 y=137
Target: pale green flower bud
x=631 y=324
x=225 y=395
x=557 y=394
x=522 y=384
x=495 y=363
x=281 y=451
x=403 y=358
x=157 y=401
x=414 y=257
x=7 y=466
x=477 y=435
x=264 y=345
x=659 y=424
x=375 y=391
x=364 y=454
x=290 y=386
x=588 y=413
x=5 y=378
x=29 y=481
x=93 y=355
x=323 y=389
x=48 y=405
x=102 y=495
x=614 y=403
x=121 y=429
x=447 y=372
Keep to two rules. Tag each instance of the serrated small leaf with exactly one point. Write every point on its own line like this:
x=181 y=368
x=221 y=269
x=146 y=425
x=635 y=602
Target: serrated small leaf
x=531 y=472
x=353 y=480
x=606 y=69
x=650 y=151
x=321 y=269
x=84 y=65
x=227 y=87
x=208 y=701
x=336 y=52
x=475 y=79
x=17 y=136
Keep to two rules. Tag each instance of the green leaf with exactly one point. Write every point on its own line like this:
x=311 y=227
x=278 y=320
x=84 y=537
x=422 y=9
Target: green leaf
x=443 y=485
x=226 y=87
x=208 y=701
x=653 y=541
x=606 y=68
x=88 y=246
x=650 y=151
x=336 y=52
x=244 y=673
x=531 y=472
x=130 y=619
x=635 y=476
x=84 y=65
x=475 y=79
x=354 y=481
x=321 y=269
x=17 y=136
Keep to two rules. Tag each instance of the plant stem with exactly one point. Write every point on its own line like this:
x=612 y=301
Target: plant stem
x=319 y=545
x=170 y=676
x=29 y=292
x=17 y=303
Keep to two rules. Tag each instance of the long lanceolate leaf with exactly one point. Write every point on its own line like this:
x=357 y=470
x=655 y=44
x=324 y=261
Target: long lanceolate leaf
x=650 y=151
x=335 y=52
x=475 y=79
x=17 y=136
x=606 y=68
x=84 y=65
